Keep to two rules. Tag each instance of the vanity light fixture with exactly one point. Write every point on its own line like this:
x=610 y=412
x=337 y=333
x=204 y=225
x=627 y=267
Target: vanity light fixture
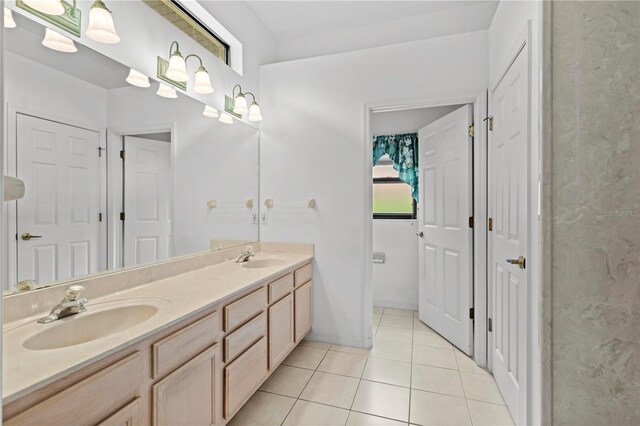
x=240 y=105
x=136 y=78
x=177 y=70
x=166 y=91
x=8 y=19
x=58 y=42
x=210 y=112
x=50 y=7
x=225 y=118
x=101 y=27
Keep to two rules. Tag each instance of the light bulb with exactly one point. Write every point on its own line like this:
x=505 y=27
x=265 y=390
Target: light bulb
x=203 y=83
x=210 y=112
x=177 y=70
x=8 y=19
x=101 y=27
x=225 y=118
x=58 y=42
x=240 y=104
x=136 y=78
x=50 y=7
x=166 y=91
x=254 y=112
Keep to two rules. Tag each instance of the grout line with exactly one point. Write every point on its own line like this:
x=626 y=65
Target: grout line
x=411 y=370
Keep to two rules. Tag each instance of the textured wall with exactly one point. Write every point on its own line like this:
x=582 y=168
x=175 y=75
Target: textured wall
x=595 y=224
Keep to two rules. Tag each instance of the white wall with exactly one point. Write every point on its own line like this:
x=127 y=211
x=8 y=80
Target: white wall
x=508 y=23
x=315 y=147
x=395 y=283
x=145 y=35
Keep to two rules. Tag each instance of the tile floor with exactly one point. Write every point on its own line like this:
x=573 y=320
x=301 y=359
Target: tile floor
x=411 y=376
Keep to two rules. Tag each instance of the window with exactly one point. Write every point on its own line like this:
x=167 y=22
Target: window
x=185 y=21
x=391 y=197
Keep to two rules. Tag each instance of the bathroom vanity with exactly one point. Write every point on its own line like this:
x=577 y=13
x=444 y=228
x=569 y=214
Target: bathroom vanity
x=189 y=347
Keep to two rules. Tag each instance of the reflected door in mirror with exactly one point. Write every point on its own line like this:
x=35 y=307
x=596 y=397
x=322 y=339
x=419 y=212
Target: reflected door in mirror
x=60 y=166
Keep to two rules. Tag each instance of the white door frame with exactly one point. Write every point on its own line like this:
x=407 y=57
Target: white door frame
x=479 y=102
x=10 y=255
x=523 y=44
x=115 y=194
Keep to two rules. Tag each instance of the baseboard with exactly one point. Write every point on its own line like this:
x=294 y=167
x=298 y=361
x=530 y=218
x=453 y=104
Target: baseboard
x=396 y=305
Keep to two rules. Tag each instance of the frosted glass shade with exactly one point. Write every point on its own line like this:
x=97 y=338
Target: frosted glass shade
x=254 y=112
x=58 y=42
x=50 y=7
x=136 y=78
x=101 y=27
x=203 y=83
x=210 y=112
x=8 y=19
x=225 y=118
x=166 y=91
x=177 y=70
x=240 y=105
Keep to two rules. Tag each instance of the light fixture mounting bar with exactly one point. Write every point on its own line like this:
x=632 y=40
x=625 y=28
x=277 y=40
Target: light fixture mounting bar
x=229 y=105
x=69 y=21
x=161 y=73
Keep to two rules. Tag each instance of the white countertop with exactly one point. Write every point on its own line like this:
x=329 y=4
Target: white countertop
x=177 y=298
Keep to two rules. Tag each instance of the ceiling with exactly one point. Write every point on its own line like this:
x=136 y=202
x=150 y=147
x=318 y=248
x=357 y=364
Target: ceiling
x=294 y=19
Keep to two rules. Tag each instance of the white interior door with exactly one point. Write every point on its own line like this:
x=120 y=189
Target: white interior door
x=60 y=166
x=508 y=145
x=147 y=200
x=445 y=277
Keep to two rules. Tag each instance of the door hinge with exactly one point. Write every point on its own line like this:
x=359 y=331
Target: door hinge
x=490 y=324
x=471 y=222
x=122 y=216
x=490 y=222
x=122 y=154
x=100 y=149
x=490 y=120
x=99 y=217
x=471 y=128
x=471 y=313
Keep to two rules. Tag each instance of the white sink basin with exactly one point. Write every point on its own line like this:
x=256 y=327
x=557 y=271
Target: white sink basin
x=88 y=326
x=263 y=263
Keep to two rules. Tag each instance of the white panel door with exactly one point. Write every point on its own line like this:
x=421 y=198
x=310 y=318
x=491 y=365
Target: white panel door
x=147 y=200
x=61 y=170
x=508 y=240
x=445 y=276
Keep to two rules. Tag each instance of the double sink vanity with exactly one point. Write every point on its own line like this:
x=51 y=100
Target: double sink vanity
x=187 y=341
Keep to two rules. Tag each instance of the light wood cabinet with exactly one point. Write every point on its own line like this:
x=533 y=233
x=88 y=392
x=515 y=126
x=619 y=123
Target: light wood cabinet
x=280 y=288
x=281 y=331
x=188 y=395
x=303 y=310
x=303 y=274
x=236 y=342
x=245 y=308
x=129 y=415
x=244 y=376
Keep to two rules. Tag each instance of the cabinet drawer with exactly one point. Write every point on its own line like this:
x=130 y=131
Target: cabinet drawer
x=242 y=310
x=115 y=386
x=280 y=288
x=245 y=336
x=303 y=274
x=243 y=376
x=129 y=415
x=173 y=351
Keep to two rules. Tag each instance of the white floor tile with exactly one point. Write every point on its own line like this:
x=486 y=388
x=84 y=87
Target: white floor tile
x=350 y=350
x=388 y=371
x=331 y=389
x=263 y=409
x=467 y=364
x=313 y=344
x=395 y=334
x=399 y=312
x=436 y=357
x=428 y=338
x=394 y=321
x=391 y=350
x=343 y=363
x=382 y=400
x=486 y=414
x=378 y=310
x=288 y=381
x=361 y=419
x=481 y=387
x=436 y=379
x=430 y=409
x=305 y=357
x=312 y=414
x=420 y=326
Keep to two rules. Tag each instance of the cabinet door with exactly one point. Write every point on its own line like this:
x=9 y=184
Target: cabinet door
x=187 y=396
x=129 y=415
x=281 y=332
x=303 y=310
x=243 y=377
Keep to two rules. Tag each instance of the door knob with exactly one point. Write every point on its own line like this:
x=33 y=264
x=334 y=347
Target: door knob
x=27 y=236
x=521 y=262
x=420 y=234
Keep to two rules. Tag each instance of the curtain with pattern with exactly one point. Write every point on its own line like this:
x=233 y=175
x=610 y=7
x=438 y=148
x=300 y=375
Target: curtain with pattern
x=403 y=151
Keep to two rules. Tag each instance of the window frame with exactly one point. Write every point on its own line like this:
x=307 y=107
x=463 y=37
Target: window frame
x=395 y=216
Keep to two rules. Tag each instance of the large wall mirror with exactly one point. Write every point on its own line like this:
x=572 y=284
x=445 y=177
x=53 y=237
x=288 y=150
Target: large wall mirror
x=115 y=175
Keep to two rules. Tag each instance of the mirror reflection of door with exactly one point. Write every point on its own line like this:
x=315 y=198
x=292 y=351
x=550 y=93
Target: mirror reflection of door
x=147 y=199
x=58 y=229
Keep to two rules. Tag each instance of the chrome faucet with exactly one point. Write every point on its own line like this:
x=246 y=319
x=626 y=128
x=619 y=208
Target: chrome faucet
x=70 y=305
x=248 y=253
